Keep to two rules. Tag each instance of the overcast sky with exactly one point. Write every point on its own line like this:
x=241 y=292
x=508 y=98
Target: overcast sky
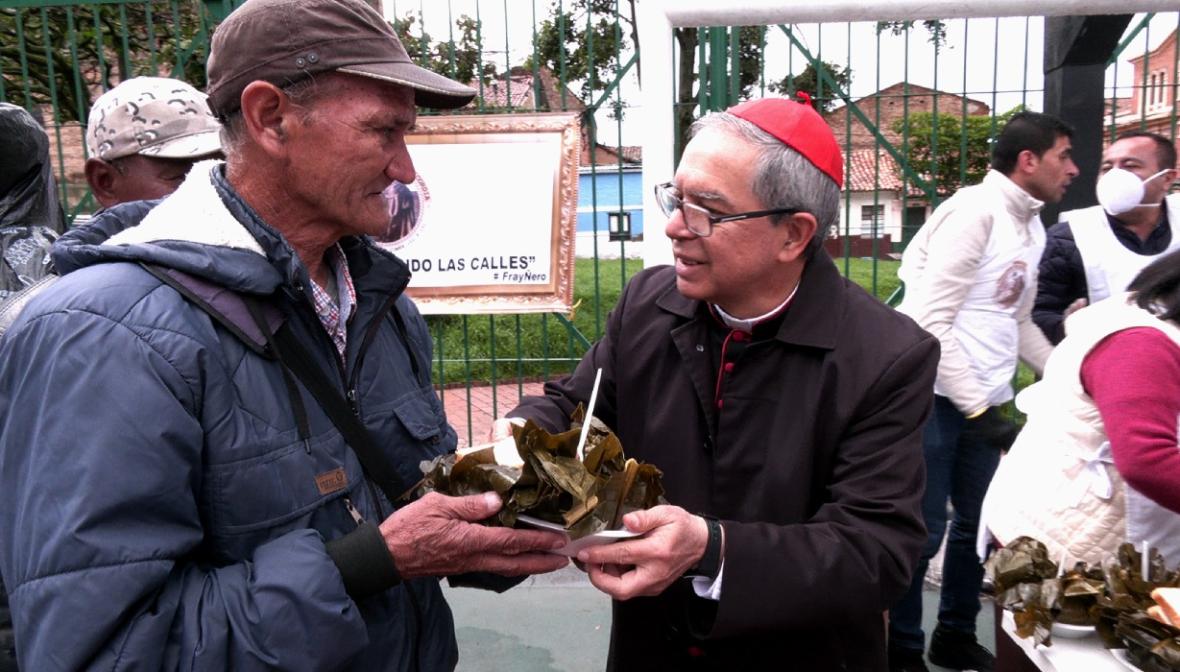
x=973 y=61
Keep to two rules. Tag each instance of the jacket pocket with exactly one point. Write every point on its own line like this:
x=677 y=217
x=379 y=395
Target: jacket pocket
x=420 y=413
x=414 y=431
x=280 y=488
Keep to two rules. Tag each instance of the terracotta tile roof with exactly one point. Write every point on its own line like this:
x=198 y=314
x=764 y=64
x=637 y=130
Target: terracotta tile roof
x=861 y=172
x=515 y=91
x=629 y=153
x=518 y=89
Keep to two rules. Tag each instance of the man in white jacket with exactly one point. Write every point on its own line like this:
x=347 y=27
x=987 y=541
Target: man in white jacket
x=970 y=280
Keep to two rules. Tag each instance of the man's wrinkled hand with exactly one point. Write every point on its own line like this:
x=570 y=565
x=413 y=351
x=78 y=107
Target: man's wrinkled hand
x=673 y=541
x=439 y=536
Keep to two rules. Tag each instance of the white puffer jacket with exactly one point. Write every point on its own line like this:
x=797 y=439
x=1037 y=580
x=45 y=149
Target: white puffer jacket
x=1059 y=484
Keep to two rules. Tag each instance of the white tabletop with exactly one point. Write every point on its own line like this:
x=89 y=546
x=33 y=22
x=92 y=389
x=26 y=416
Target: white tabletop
x=1066 y=655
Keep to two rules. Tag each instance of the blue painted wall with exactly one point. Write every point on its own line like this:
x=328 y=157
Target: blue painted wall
x=599 y=194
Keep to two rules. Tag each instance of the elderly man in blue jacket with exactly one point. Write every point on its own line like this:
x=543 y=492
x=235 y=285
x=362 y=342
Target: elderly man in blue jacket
x=172 y=496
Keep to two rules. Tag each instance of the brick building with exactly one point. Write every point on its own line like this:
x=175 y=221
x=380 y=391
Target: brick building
x=893 y=106
x=874 y=205
x=1152 y=105
x=520 y=91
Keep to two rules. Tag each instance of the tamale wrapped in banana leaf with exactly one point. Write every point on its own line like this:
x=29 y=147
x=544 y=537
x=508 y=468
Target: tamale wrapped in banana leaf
x=1152 y=646
x=1080 y=587
x=1128 y=592
x=1026 y=584
x=584 y=496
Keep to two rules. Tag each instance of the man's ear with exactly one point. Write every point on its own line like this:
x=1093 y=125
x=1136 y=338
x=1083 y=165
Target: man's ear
x=103 y=179
x=267 y=114
x=1027 y=161
x=800 y=227
x=1169 y=179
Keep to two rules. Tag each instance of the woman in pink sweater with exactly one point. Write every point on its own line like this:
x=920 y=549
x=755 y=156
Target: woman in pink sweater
x=1098 y=461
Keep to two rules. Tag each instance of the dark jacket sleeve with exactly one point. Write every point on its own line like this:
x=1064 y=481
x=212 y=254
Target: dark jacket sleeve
x=1061 y=280
x=100 y=531
x=7 y=646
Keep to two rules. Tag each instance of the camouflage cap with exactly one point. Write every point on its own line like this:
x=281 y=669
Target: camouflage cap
x=152 y=116
x=285 y=41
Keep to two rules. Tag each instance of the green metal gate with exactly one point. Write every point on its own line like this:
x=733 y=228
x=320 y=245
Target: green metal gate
x=915 y=108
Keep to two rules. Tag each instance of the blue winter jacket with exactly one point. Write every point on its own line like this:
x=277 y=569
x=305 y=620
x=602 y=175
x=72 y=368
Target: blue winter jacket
x=157 y=507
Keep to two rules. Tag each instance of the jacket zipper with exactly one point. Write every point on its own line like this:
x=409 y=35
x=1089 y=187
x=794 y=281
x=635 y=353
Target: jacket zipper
x=349 y=384
x=352 y=511
x=354 y=405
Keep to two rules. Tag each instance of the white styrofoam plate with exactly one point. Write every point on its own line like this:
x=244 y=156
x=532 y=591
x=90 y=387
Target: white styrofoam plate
x=1072 y=631
x=571 y=549
x=1121 y=656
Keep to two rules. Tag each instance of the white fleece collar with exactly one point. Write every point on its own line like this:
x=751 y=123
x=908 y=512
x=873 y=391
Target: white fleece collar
x=193 y=213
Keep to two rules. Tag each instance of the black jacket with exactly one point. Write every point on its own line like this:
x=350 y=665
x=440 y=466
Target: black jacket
x=1061 y=279
x=30 y=217
x=814 y=468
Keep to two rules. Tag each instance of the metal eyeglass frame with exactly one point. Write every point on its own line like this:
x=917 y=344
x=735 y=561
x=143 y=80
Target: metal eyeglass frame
x=666 y=191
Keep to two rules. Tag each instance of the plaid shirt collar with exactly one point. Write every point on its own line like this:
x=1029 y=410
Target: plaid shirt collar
x=335 y=311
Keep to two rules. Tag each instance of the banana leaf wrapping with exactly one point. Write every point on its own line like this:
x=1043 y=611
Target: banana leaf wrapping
x=1152 y=646
x=1026 y=584
x=1122 y=620
x=584 y=496
x=1080 y=588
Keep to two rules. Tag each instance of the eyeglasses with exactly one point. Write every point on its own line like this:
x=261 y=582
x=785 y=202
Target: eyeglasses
x=700 y=221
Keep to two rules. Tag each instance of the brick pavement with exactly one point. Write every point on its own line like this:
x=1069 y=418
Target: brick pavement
x=483 y=407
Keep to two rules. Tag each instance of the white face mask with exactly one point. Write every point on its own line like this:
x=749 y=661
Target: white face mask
x=1120 y=191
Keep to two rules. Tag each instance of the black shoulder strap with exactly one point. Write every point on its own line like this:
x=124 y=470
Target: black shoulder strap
x=223 y=305
x=262 y=328
x=294 y=357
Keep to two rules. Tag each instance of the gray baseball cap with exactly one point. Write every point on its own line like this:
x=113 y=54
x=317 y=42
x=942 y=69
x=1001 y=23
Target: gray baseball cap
x=285 y=41
x=152 y=116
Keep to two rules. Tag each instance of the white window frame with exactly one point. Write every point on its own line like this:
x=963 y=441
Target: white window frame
x=872 y=226
x=1155 y=96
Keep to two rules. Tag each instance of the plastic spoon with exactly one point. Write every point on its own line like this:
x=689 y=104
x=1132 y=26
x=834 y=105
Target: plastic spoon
x=589 y=415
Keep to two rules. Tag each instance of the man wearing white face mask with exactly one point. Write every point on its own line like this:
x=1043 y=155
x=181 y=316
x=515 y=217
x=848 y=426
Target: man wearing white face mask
x=1095 y=252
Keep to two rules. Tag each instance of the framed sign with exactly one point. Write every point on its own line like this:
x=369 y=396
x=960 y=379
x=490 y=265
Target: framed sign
x=488 y=224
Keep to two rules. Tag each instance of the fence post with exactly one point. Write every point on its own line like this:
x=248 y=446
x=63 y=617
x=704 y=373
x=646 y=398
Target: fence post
x=218 y=10
x=1076 y=52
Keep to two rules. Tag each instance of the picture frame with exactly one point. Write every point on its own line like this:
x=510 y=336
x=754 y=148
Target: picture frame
x=488 y=225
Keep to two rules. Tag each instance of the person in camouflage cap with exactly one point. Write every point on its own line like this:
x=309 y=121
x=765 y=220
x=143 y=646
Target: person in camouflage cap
x=144 y=135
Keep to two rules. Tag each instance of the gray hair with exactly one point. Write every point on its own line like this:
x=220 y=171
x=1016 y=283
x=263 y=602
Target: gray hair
x=783 y=178
x=302 y=93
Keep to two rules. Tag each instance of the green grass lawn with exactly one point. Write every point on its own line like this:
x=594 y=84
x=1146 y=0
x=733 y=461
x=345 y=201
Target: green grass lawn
x=484 y=348
x=509 y=347
x=878 y=279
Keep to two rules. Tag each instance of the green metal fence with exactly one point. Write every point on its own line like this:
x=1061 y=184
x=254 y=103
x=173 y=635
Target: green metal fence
x=915 y=108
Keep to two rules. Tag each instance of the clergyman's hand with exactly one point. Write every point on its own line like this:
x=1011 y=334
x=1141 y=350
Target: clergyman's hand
x=673 y=541
x=438 y=535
